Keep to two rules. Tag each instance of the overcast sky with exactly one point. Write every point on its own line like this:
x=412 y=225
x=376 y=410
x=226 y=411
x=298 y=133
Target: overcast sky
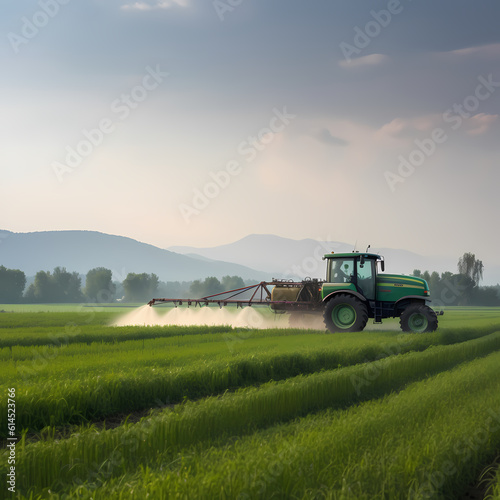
x=197 y=122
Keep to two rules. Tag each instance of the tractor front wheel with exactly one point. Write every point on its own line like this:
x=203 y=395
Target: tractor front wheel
x=345 y=313
x=418 y=318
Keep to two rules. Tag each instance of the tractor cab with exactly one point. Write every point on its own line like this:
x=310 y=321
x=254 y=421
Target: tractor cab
x=355 y=271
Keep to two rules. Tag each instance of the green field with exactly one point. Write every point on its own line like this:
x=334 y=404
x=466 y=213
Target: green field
x=216 y=412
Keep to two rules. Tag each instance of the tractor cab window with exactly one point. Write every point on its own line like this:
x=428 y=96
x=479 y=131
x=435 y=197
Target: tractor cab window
x=341 y=270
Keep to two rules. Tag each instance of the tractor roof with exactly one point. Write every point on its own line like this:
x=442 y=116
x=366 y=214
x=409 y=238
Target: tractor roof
x=352 y=255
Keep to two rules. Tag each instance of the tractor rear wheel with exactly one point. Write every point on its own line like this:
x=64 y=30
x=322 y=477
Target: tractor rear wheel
x=345 y=313
x=418 y=318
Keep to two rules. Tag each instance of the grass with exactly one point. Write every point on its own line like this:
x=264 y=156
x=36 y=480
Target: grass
x=495 y=488
x=77 y=383
x=430 y=439
x=249 y=399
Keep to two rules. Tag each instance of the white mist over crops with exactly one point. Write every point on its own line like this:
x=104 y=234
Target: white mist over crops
x=247 y=317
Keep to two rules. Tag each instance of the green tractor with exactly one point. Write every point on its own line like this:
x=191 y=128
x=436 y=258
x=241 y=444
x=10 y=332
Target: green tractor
x=354 y=291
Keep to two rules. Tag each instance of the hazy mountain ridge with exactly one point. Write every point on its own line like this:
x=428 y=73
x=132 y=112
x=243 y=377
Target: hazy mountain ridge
x=254 y=257
x=284 y=257
x=81 y=251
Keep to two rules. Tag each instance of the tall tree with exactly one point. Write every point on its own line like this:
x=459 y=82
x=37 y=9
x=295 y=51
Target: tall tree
x=140 y=287
x=209 y=286
x=99 y=286
x=12 y=283
x=68 y=285
x=232 y=282
x=469 y=266
x=61 y=286
x=42 y=289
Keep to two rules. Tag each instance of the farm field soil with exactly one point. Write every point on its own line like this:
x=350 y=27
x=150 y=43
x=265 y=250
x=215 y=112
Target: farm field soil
x=248 y=413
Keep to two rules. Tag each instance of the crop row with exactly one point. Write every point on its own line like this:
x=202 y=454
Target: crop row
x=175 y=345
x=63 y=329
x=74 y=333
x=429 y=441
x=122 y=449
x=70 y=394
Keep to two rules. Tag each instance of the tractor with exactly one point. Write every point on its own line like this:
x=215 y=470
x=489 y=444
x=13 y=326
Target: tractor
x=353 y=291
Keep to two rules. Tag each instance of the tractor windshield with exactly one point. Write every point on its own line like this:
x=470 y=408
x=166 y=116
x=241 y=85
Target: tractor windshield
x=359 y=271
x=340 y=270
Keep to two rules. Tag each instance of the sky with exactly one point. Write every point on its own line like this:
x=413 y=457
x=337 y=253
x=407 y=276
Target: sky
x=198 y=122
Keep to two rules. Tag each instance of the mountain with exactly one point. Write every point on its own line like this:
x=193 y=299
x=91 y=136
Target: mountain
x=284 y=257
x=255 y=257
x=81 y=251
x=270 y=253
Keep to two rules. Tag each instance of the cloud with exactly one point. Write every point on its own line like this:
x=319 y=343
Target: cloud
x=481 y=123
x=490 y=51
x=156 y=4
x=371 y=60
x=326 y=137
x=408 y=127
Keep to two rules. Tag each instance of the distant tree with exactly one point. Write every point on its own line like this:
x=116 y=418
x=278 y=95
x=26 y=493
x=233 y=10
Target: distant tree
x=61 y=286
x=232 y=282
x=469 y=266
x=485 y=296
x=12 y=283
x=68 y=285
x=434 y=280
x=99 y=286
x=42 y=288
x=450 y=289
x=140 y=287
x=209 y=286
x=465 y=285
x=426 y=276
x=446 y=275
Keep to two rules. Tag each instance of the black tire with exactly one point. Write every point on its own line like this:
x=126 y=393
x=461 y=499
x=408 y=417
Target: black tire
x=345 y=313
x=418 y=318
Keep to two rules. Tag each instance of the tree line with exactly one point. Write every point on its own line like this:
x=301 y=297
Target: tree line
x=61 y=286
x=461 y=288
